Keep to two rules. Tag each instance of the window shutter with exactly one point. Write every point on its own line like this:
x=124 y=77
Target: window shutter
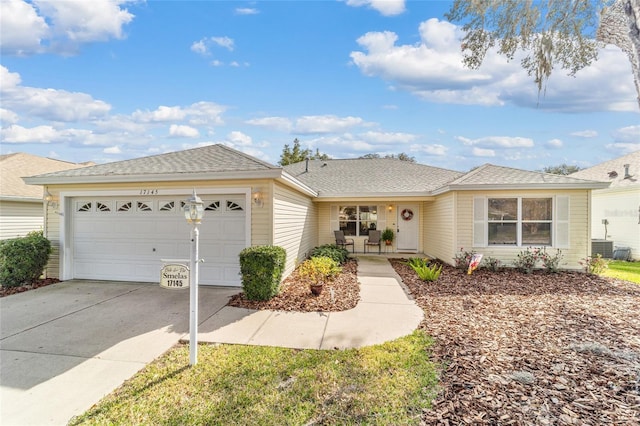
x=479 y=222
x=335 y=226
x=562 y=222
x=382 y=218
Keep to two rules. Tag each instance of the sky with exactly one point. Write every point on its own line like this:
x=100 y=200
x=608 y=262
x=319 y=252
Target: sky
x=109 y=80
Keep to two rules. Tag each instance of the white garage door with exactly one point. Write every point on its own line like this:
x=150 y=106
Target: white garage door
x=125 y=238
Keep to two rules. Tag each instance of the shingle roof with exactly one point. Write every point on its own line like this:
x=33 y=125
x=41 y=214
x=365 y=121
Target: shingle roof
x=13 y=167
x=614 y=171
x=213 y=160
x=489 y=176
x=370 y=176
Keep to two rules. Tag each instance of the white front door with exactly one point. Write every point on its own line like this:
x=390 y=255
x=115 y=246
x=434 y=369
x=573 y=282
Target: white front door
x=408 y=220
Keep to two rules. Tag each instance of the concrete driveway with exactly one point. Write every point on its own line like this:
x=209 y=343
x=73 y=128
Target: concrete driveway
x=65 y=346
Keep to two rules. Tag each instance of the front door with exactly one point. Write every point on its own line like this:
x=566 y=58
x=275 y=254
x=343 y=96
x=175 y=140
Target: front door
x=408 y=230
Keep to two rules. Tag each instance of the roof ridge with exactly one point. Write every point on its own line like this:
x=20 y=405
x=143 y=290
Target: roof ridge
x=244 y=154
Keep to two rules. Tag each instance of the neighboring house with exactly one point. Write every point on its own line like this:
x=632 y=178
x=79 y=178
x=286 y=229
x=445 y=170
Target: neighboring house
x=615 y=211
x=21 y=205
x=118 y=220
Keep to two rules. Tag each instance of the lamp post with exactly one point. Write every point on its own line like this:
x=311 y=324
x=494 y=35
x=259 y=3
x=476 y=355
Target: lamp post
x=193 y=212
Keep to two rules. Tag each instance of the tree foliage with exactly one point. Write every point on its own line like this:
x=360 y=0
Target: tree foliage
x=296 y=154
x=550 y=33
x=562 y=169
x=402 y=156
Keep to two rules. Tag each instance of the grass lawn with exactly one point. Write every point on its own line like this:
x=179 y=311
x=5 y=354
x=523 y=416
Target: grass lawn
x=629 y=271
x=238 y=385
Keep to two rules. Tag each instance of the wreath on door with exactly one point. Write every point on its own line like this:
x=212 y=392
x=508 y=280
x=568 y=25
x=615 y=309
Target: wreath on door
x=406 y=214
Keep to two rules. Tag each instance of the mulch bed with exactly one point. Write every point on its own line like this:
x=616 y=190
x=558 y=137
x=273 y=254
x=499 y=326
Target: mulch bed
x=7 y=291
x=295 y=295
x=538 y=349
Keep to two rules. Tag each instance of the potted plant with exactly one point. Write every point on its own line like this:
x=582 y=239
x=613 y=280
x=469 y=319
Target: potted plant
x=317 y=271
x=387 y=236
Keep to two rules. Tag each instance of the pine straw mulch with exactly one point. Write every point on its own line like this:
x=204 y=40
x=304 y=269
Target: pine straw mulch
x=295 y=295
x=8 y=291
x=537 y=349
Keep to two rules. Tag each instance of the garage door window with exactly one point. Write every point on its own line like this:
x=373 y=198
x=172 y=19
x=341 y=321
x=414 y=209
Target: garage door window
x=213 y=207
x=167 y=206
x=232 y=206
x=84 y=207
x=103 y=207
x=123 y=206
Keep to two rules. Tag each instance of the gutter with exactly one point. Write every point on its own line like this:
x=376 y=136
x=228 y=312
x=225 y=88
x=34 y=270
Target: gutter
x=174 y=177
x=509 y=187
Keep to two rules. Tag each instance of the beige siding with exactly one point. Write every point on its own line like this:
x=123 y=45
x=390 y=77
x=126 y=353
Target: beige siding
x=579 y=235
x=295 y=224
x=52 y=232
x=439 y=227
x=17 y=219
x=261 y=217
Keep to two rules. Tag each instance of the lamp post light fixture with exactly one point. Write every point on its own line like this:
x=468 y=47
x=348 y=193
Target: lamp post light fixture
x=193 y=212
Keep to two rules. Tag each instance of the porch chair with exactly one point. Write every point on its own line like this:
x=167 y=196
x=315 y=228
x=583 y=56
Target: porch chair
x=373 y=240
x=344 y=242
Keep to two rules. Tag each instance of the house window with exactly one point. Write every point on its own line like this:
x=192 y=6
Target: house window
x=519 y=221
x=358 y=220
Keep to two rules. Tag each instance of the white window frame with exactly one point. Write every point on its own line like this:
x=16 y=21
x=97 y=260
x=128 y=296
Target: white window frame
x=559 y=222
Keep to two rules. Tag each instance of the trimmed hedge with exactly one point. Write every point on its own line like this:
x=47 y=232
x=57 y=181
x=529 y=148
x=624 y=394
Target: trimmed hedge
x=261 y=268
x=22 y=260
x=339 y=254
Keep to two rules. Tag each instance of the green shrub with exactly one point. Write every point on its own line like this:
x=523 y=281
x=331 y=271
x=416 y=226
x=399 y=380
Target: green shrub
x=462 y=259
x=423 y=270
x=22 y=260
x=319 y=270
x=550 y=262
x=261 y=268
x=594 y=265
x=492 y=264
x=339 y=254
x=526 y=261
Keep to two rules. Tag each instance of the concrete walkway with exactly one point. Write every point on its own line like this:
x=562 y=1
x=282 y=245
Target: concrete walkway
x=385 y=312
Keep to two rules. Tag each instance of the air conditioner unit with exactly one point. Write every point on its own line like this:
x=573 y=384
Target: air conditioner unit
x=602 y=247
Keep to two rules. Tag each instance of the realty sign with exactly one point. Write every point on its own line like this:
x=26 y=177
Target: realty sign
x=174 y=276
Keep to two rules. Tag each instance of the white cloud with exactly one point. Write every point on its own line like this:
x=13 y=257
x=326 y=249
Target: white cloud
x=225 y=42
x=7 y=116
x=624 y=148
x=627 y=134
x=432 y=69
x=197 y=114
x=281 y=124
x=21 y=28
x=239 y=139
x=162 y=113
x=60 y=26
x=182 y=131
x=112 y=150
x=49 y=104
x=585 y=134
x=216 y=63
x=246 y=11
x=388 y=137
x=325 y=124
x=434 y=150
x=481 y=152
x=203 y=46
x=19 y=134
x=554 y=143
x=200 y=47
x=385 y=7
x=498 y=141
